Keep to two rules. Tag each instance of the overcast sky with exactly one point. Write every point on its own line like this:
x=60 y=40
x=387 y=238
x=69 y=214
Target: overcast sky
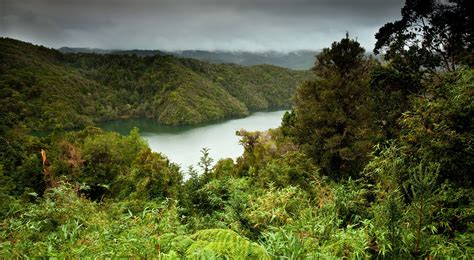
x=249 y=25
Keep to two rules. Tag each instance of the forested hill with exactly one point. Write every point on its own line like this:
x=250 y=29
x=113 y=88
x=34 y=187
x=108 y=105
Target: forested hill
x=46 y=89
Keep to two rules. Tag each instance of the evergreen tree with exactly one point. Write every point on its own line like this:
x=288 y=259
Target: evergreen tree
x=333 y=112
x=432 y=34
x=205 y=162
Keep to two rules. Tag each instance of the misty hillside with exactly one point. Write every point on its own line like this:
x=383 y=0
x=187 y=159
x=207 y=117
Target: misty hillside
x=299 y=60
x=49 y=89
x=293 y=60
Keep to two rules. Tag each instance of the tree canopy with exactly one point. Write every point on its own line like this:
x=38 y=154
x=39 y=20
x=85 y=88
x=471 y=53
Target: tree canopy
x=333 y=112
x=432 y=34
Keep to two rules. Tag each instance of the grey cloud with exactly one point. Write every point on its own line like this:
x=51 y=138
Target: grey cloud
x=260 y=25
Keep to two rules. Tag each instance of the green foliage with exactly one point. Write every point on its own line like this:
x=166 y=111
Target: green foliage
x=320 y=228
x=104 y=164
x=333 y=112
x=282 y=243
x=390 y=91
x=422 y=190
x=153 y=176
x=262 y=147
x=439 y=129
x=65 y=224
x=422 y=171
x=223 y=168
x=94 y=193
x=211 y=243
x=222 y=243
x=276 y=207
x=6 y=198
x=205 y=162
x=170 y=242
x=344 y=59
x=429 y=35
x=46 y=89
x=20 y=160
x=40 y=91
x=220 y=203
x=98 y=159
x=293 y=168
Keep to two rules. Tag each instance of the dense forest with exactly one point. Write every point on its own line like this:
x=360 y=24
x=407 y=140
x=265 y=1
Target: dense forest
x=373 y=161
x=45 y=89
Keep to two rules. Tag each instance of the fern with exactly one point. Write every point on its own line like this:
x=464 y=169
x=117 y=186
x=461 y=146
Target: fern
x=224 y=243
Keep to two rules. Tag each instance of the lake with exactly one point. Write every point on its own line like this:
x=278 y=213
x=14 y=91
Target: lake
x=182 y=144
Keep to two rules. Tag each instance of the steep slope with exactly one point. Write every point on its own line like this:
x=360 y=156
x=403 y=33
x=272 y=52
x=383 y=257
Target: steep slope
x=259 y=87
x=46 y=89
x=38 y=90
x=159 y=87
x=195 y=100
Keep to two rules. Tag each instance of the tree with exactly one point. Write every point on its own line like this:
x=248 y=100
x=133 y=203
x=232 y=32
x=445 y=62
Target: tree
x=333 y=112
x=391 y=91
x=430 y=160
x=432 y=34
x=154 y=176
x=344 y=59
x=205 y=162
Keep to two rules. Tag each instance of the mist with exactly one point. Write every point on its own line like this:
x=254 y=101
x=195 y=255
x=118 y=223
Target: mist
x=173 y=25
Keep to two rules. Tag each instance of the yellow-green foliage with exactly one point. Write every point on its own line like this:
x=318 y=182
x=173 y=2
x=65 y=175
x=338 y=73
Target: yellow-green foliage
x=272 y=159
x=170 y=242
x=154 y=176
x=115 y=166
x=211 y=243
x=224 y=243
x=65 y=224
x=276 y=207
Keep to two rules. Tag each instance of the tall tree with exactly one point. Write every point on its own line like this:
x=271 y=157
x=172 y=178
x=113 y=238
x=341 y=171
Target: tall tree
x=333 y=112
x=431 y=34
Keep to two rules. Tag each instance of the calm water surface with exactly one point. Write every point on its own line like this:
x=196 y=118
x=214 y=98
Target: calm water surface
x=182 y=145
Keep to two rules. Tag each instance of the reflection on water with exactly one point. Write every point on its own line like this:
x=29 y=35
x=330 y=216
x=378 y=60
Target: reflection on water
x=182 y=144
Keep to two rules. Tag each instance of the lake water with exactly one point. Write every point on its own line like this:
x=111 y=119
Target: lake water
x=182 y=145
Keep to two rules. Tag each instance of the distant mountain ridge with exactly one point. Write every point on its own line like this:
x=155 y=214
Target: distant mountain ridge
x=299 y=60
x=67 y=50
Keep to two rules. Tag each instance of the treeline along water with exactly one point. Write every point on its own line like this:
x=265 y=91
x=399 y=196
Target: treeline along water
x=182 y=144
